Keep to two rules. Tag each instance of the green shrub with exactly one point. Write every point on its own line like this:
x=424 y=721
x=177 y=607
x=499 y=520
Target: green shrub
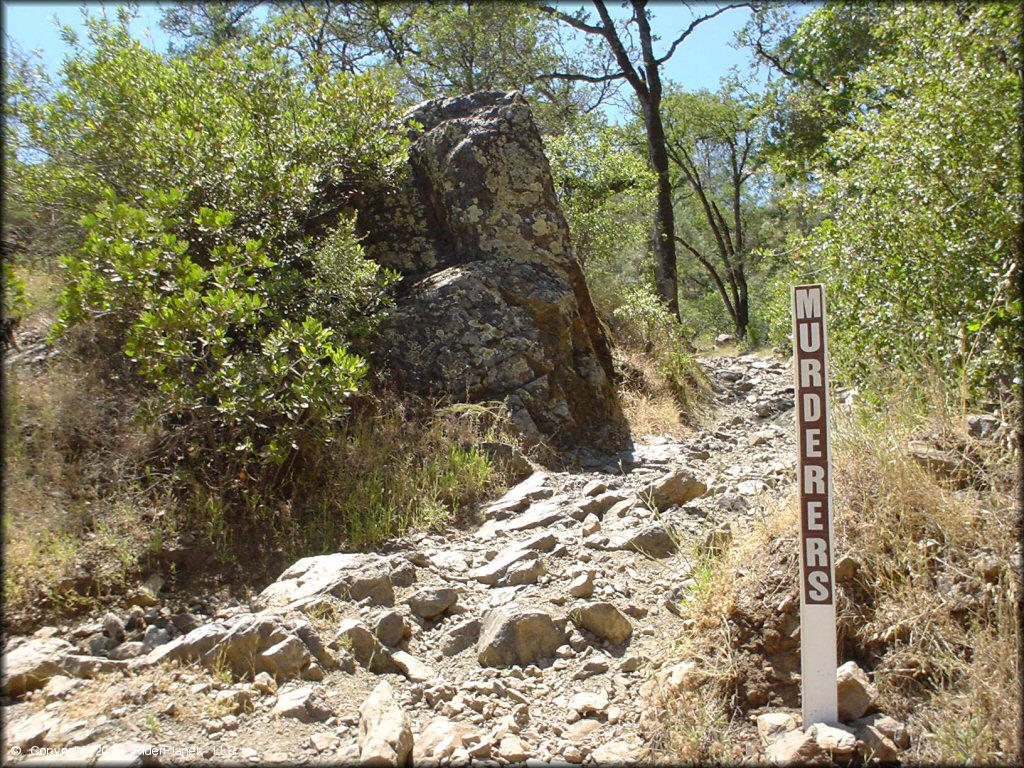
x=243 y=128
x=213 y=247
x=643 y=320
x=922 y=239
x=245 y=379
x=15 y=303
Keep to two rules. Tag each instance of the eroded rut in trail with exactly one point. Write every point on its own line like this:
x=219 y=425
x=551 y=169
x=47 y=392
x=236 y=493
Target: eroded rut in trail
x=529 y=637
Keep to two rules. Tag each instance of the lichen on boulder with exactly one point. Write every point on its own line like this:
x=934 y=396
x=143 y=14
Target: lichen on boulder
x=493 y=304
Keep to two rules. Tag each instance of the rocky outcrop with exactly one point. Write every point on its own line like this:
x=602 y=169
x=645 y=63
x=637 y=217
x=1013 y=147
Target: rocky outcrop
x=345 y=575
x=493 y=304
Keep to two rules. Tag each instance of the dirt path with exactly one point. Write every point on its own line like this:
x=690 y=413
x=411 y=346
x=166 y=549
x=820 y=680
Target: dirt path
x=530 y=637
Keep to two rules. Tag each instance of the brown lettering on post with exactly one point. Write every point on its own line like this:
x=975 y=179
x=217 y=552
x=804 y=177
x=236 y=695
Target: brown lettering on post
x=811 y=366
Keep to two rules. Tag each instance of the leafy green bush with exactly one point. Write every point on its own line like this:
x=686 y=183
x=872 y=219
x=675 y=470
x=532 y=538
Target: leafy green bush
x=923 y=193
x=644 y=321
x=214 y=250
x=242 y=382
x=15 y=303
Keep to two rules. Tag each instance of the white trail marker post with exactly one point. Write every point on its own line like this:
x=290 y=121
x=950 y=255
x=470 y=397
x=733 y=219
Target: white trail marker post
x=817 y=576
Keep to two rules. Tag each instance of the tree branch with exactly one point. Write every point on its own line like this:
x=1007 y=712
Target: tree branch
x=725 y=229
x=572 y=21
x=647 y=49
x=581 y=76
x=619 y=50
x=709 y=267
x=693 y=177
x=790 y=73
x=693 y=25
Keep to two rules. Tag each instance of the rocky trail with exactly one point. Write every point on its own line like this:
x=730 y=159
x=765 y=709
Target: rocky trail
x=536 y=635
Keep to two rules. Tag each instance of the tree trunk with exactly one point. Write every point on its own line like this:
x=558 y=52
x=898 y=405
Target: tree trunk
x=741 y=317
x=664 y=217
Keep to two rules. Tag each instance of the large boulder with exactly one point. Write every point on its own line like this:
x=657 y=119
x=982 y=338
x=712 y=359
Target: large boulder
x=493 y=305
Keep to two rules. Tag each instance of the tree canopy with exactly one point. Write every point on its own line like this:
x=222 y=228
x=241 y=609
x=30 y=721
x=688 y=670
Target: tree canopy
x=211 y=245
x=923 y=199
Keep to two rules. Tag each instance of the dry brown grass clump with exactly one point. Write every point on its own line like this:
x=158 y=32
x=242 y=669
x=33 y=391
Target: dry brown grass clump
x=397 y=464
x=658 y=399
x=933 y=607
x=73 y=528
x=931 y=611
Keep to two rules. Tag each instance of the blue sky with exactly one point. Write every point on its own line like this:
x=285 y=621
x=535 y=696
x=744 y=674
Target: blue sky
x=700 y=62
x=32 y=26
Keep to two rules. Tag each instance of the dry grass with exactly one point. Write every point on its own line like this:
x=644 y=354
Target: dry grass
x=942 y=634
x=931 y=613
x=82 y=514
x=700 y=730
x=72 y=530
x=404 y=464
x=650 y=401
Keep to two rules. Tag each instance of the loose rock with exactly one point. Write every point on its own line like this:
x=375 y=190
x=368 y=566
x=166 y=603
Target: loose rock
x=511 y=567
x=671 y=490
x=514 y=635
x=874 y=746
x=460 y=637
x=652 y=540
x=588 y=702
x=834 y=740
x=302 y=704
x=794 y=748
x=771 y=726
x=284 y=659
x=625 y=751
x=604 y=620
x=431 y=603
x=582 y=585
x=391 y=628
x=385 y=734
x=366 y=648
x=414 y=669
x=856 y=693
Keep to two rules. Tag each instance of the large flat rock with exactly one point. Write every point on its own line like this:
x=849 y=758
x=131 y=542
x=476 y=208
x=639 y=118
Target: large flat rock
x=351 y=576
x=31 y=664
